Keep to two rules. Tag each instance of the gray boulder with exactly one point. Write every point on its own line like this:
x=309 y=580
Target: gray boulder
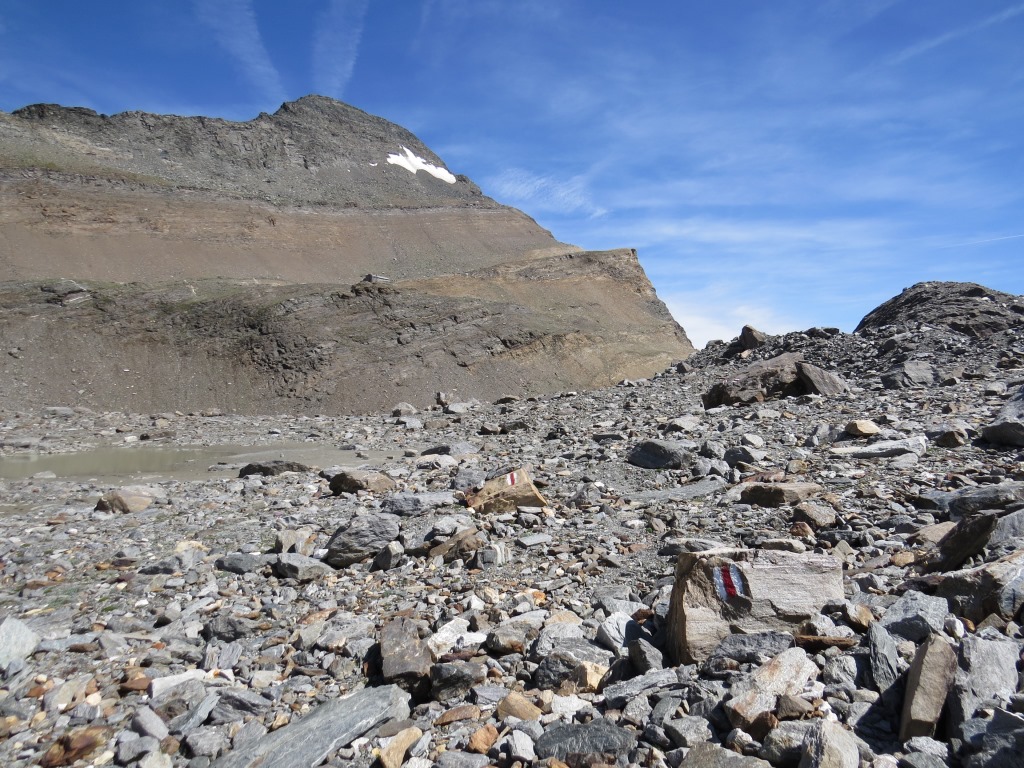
x=597 y=737
x=362 y=538
x=1008 y=427
x=660 y=454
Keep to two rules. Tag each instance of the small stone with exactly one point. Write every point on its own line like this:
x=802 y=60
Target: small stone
x=393 y=755
x=516 y=705
x=148 y=723
x=862 y=428
x=688 y=731
x=291 y=565
x=483 y=739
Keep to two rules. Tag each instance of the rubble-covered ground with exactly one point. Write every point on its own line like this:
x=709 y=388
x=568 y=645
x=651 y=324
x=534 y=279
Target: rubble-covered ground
x=825 y=570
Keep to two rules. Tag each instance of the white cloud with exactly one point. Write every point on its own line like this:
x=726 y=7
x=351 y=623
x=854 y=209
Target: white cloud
x=234 y=25
x=519 y=187
x=715 y=313
x=926 y=45
x=336 y=45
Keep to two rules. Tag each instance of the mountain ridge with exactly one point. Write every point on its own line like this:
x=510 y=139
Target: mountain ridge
x=246 y=216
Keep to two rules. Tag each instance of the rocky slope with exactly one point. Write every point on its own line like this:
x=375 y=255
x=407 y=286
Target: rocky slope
x=179 y=249
x=827 y=572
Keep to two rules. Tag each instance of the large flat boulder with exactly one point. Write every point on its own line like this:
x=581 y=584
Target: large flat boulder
x=722 y=591
x=306 y=742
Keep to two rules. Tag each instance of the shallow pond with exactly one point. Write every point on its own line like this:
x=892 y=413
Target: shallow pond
x=158 y=462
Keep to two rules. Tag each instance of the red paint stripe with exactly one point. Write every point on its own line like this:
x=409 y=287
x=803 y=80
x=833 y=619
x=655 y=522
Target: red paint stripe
x=730 y=587
x=512 y=479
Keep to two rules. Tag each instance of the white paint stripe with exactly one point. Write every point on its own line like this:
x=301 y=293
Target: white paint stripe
x=719 y=584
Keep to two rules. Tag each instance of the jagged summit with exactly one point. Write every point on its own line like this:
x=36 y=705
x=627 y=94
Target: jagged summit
x=315 y=150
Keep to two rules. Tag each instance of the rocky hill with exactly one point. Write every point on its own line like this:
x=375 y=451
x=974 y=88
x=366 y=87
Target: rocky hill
x=213 y=264
x=825 y=570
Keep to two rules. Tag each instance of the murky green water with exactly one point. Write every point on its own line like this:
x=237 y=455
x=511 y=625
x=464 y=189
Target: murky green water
x=150 y=462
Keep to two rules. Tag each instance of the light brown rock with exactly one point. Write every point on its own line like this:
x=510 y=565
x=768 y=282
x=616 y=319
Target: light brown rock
x=928 y=682
x=777 y=494
x=393 y=755
x=516 y=705
x=862 y=428
x=483 y=739
x=588 y=676
x=505 y=493
x=462 y=712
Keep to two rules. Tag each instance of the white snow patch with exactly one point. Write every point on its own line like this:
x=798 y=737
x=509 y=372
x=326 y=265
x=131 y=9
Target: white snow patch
x=412 y=163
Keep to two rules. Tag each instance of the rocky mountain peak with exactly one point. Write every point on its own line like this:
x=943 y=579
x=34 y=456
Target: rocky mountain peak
x=240 y=243
x=967 y=308
x=315 y=150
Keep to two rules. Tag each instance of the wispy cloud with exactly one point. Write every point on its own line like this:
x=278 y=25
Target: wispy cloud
x=926 y=45
x=234 y=25
x=981 y=242
x=336 y=45
x=548 y=193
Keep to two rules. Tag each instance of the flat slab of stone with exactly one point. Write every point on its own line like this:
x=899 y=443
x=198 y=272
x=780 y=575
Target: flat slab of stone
x=533 y=540
x=17 y=640
x=306 y=742
x=719 y=592
x=777 y=494
x=708 y=755
x=884 y=449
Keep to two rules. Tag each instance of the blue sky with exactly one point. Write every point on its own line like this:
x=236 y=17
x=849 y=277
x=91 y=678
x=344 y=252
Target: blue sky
x=787 y=164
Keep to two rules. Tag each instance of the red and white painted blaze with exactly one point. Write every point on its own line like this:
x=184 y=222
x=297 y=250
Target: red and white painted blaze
x=728 y=582
x=510 y=478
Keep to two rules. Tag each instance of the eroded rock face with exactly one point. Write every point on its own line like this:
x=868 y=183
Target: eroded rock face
x=227 y=237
